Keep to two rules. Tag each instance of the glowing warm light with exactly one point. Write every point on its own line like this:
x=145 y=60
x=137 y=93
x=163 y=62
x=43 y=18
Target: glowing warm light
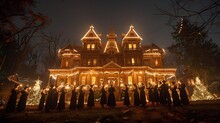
x=108 y=46
x=200 y=92
x=130 y=31
x=122 y=84
x=47 y=89
x=156 y=62
x=132 y=61
x=91 y=30
x=181 y=25
x=106 y=86
x=20 y=85
x=67 y=87
x=139 y=84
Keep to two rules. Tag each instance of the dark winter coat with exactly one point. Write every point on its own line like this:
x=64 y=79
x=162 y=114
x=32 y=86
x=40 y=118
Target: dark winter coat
x=54 y=98
x=61 y=104
x=151 y=94
x=49 y=100
x=156 y=94
x=175 y=96
x=136 y=97
x=10 y=107
x=142 y=96
x=22 y=102
x=81 y=98
x=165 y=94
x=73 y=100
x=42 y=100
x=183 y=96
x=91 y=102
x=126 y=98
x=111 y=97
x=103 y=97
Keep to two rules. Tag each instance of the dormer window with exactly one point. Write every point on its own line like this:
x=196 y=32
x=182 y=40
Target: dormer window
x=93 y=47
x=88 y=46
x=132 y=46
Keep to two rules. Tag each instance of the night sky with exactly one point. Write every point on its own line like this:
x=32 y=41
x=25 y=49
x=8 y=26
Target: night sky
x=73 y=18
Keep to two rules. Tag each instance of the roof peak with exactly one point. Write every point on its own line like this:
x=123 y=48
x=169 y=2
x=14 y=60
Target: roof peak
x=131 y=34
x=91 y=34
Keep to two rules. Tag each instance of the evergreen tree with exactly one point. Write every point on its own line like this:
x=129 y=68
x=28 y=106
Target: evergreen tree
x=200 y=92
x=35 y=94
x=194 y=51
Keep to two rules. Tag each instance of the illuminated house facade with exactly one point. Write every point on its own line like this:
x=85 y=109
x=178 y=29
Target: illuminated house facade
x=114 y=61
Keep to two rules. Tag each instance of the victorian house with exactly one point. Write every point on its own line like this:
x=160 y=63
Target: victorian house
x=117 y=61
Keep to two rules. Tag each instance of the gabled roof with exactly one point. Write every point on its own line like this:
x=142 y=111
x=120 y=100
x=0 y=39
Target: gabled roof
x=131 y=34
x=91 y=34
x=111 y=64
x=69 y=46
x=154 y=46
x=111 y=44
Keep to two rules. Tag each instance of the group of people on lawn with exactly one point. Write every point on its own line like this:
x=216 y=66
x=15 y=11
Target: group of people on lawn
x=158 y=94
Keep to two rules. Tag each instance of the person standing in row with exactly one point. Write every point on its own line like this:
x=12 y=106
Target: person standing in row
x=183 y=95
x=73 y=99
x=165 y=94
x=175 y=96
x=10 y=107
x=156 y=99
x=151 y=93
x=103 y=97
x=136 y=96
x=54 y=97
x=42 y=100
x=111 y=97
x=91 y=102
x=49 y=99
x=160 y=91
x=81 y=98
x=61 y=104
x=142 y=95
x=126 y=97
x=23 y=99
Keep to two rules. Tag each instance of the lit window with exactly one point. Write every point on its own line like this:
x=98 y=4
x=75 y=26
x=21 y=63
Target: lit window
x=156 y=62
x=89 y=62
x=94 y=61
x=130 y=46
x=83 y=80
x=132 y=61
x=67 y=63
x=93 y=47
x=93 y=80
x=134 y=46
x=129 y=80
x=88 y=46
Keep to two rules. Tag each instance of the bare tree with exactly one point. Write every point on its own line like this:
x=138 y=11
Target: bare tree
x=18 y=25
x=204 y=12
x=53 y=43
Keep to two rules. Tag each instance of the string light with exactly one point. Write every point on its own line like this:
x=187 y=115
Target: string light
x=35 y=93
x=200 y=92
x=91 y=30
x=131 y=29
